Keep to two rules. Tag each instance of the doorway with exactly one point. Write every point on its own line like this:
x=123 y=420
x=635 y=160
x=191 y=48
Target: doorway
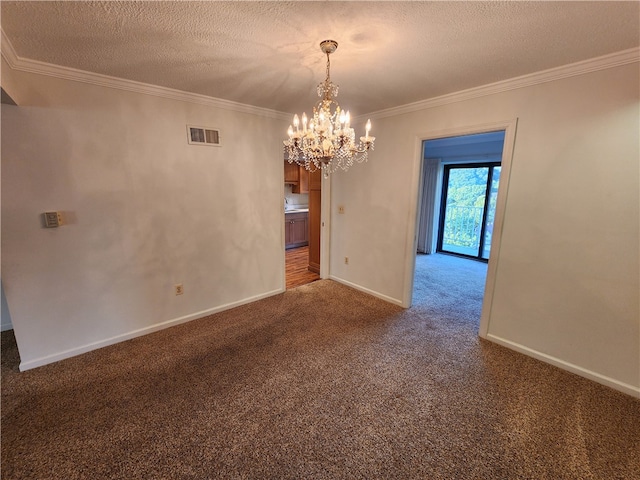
x=303 y=229
x=428 y=171
x=458 y=194
x=468 y=209
x=485 y=156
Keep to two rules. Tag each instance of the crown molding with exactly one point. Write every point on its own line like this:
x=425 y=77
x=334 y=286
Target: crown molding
x=16 y=62
x=6 y=49
x=42 y=68
x=616 y=59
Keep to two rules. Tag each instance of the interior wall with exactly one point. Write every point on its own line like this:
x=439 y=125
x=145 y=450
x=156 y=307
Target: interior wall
x=5 y=315
x=567 y=276
x=142 y=211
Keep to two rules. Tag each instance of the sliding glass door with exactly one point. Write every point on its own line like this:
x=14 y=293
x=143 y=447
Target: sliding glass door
x=468 y=209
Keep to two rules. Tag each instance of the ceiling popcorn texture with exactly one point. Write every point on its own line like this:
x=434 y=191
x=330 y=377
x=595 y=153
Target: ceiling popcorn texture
x=267 y=54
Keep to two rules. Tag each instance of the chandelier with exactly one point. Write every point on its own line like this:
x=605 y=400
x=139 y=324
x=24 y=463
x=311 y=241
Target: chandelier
x=326 y=141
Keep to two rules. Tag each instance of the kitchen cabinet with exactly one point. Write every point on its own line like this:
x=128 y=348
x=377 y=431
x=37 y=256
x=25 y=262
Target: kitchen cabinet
x=315 y=220
x=297 y=176
x=296 y=229
x=303 y=185
x=291 y=172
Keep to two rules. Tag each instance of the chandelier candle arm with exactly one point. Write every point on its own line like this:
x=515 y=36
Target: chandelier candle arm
x=327 y=141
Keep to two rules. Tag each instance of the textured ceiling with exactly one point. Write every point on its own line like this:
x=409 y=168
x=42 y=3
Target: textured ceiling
x=266 y=53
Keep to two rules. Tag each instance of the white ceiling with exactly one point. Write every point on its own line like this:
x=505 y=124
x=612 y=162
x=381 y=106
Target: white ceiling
x=266 y=53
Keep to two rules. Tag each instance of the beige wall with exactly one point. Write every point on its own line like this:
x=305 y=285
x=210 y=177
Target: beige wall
x=143 y=210
x=567 y=280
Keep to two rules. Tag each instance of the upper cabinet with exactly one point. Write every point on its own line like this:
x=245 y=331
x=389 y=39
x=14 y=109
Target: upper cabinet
x=297 y=176
x=291 y=172
x=303 y=186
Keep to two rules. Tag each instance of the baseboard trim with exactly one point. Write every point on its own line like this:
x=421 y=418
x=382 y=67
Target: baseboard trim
x=39 y=362
x=373 y=293
x=583 y=372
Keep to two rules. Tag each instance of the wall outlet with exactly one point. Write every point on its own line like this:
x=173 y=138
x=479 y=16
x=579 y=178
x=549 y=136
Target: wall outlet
x=340 y=208
x=346 y=260
x=179 y=289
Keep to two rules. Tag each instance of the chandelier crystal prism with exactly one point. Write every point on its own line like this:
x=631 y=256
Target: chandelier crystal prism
x=326 y=141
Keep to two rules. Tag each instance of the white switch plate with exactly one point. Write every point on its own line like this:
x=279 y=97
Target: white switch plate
x=52 y=219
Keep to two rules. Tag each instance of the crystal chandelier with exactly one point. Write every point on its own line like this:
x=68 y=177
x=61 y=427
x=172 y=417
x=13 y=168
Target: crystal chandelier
x=327 y=141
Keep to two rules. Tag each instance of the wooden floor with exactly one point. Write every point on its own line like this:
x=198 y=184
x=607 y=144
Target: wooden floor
x=297 y=261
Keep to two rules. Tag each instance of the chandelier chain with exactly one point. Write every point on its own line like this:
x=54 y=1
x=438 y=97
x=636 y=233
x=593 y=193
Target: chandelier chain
x=328 y=69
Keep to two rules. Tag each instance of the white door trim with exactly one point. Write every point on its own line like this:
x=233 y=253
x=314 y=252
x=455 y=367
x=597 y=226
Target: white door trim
x=509 y=127
x=325 y=227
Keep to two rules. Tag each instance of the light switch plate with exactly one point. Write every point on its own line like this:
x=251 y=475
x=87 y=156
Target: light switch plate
x=52 y=219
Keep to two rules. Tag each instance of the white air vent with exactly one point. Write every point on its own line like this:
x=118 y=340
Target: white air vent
x=203 y=136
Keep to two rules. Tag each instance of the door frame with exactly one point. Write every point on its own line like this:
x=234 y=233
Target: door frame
x=325 y=226
x=325 y=231
x=509 y=127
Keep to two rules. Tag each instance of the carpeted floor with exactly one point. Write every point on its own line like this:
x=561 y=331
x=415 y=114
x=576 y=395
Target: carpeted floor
x=320 y=382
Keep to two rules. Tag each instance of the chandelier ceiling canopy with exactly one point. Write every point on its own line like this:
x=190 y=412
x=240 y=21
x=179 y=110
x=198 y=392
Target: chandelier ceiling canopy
x=326 y=141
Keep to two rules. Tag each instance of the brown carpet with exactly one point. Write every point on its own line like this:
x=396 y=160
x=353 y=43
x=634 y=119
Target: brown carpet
x=320 y=382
